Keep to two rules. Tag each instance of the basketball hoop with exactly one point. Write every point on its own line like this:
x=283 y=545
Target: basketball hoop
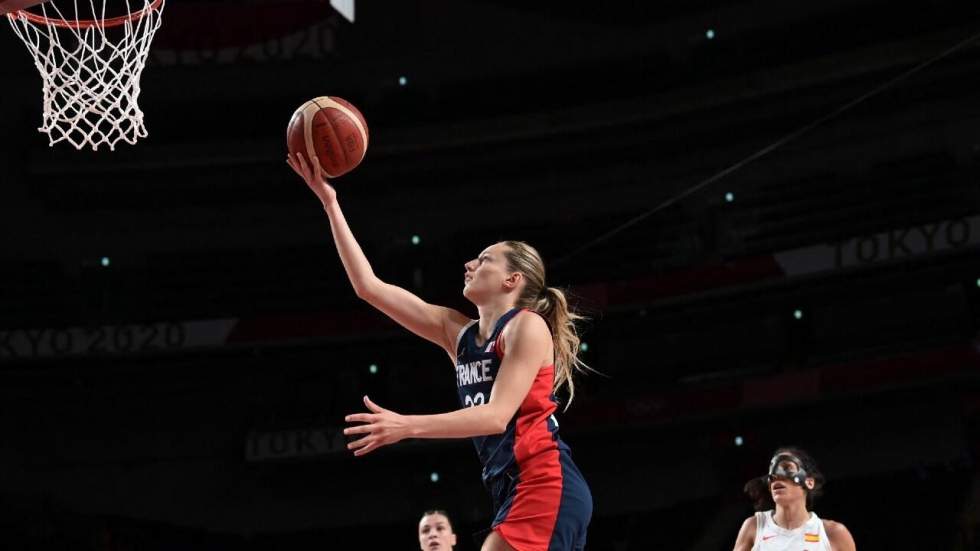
x=90 y=68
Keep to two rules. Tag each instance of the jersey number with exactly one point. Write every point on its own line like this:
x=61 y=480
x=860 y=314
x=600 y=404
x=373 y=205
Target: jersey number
x=475 y=400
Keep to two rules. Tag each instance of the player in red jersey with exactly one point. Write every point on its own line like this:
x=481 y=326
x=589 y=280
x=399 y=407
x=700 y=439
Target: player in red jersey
x=509 y=362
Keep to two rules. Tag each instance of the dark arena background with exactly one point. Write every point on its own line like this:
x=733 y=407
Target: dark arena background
x=179 y=342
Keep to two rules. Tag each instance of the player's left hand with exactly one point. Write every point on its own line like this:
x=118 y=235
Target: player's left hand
x=381 y=427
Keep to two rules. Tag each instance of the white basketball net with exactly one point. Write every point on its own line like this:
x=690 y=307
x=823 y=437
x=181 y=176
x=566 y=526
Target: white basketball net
x=90 y=72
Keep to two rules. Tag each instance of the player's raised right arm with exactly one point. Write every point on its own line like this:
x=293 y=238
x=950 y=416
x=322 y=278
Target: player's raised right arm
x=437 y=324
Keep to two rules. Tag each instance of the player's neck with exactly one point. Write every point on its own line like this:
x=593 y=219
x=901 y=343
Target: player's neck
x=490 y=314
x=791 y=516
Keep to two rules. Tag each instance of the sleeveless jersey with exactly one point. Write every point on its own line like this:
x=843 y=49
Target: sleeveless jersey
x=769 y=536
x=532 y=430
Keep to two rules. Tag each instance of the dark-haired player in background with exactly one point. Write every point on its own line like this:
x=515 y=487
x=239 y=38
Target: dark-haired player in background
x=784 y=518
x=436 y=531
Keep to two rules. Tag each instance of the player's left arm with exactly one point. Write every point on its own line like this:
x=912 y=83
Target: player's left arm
x=528 y=349
x=840 y=537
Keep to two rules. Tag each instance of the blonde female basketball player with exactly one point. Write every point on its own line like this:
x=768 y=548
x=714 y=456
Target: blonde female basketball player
x=508 y=364
x=783 y=499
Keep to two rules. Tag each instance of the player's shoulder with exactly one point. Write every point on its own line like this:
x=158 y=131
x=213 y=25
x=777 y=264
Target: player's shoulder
x=746 y=535
x=840 y=536
x=527 y=327
x=455 y=324
x=525 y=321
x=748 y=527
x=833 y=526
x=455 y=320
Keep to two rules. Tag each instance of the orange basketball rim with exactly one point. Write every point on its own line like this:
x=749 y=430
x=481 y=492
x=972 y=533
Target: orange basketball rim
x=90 y=65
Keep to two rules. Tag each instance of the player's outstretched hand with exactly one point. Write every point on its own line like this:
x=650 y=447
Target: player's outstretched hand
x=381 y=427
x=311 y=174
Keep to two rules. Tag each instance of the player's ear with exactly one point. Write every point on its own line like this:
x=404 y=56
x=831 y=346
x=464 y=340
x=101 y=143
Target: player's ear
x=513 y=280
x=810 y=483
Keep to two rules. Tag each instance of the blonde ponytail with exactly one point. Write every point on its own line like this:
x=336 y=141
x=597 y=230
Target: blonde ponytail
x=553 y=306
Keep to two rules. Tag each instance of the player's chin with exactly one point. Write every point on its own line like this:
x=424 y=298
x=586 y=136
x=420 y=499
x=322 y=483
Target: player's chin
x=470 y=292
x=782 y=497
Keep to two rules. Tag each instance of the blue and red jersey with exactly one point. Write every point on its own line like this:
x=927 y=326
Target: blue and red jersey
x=541 y=501
x=533 y=429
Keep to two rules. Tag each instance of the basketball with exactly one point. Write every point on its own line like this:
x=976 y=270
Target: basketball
x=330 y=130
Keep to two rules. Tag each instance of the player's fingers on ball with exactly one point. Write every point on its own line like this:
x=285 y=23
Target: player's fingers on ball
x=301 y=161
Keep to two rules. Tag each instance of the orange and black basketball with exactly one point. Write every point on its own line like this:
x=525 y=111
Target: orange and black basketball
x=330 y=130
